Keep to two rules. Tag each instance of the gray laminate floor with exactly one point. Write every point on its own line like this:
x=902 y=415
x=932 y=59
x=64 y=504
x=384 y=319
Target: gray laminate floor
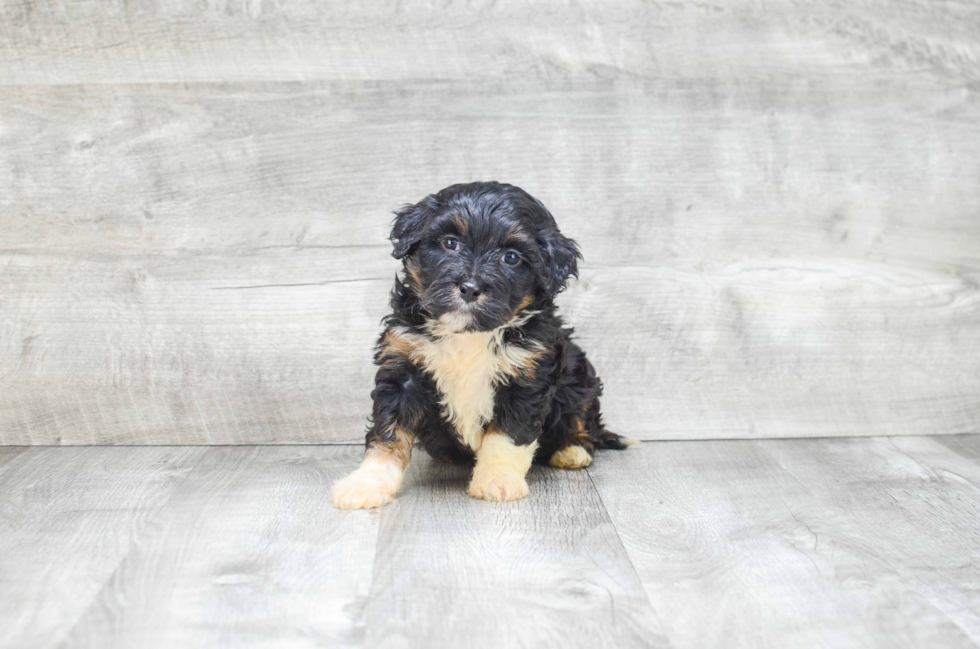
x=871 y=542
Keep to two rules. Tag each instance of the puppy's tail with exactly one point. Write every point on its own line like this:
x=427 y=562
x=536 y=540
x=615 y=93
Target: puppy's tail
x=609 y=439
x=600 y=436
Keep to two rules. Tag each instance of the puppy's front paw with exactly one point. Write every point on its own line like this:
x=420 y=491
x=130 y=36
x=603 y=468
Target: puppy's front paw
x=499 y=487
x=363 y=489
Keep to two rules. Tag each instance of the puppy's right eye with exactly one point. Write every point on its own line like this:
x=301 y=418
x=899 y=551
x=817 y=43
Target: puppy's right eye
x=449 y=243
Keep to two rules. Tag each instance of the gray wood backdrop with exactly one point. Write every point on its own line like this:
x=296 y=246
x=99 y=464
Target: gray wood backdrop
x=779 y=205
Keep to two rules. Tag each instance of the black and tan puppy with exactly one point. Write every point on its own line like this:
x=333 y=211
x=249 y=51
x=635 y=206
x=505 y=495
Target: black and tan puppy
x=474 y=364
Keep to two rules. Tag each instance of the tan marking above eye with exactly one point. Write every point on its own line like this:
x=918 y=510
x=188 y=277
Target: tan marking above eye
x=460 y=222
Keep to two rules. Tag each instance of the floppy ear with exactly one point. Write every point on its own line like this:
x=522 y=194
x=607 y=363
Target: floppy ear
x=406 y=232
x=560 y=256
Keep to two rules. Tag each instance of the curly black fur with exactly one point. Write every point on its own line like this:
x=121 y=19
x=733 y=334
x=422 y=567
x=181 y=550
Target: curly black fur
x=464 y=234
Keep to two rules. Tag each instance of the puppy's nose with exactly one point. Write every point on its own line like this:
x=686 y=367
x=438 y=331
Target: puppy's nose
x=470 y=290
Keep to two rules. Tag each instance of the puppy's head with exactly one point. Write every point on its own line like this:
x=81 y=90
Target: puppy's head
x=479 y=253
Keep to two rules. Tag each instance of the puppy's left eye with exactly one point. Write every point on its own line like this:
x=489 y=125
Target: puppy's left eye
x=511 y=258
x=449 y=243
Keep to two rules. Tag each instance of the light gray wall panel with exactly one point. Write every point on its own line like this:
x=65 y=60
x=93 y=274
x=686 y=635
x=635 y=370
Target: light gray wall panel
x=778 y=206
x=161 y=40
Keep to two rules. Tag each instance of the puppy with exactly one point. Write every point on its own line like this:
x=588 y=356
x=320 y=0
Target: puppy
x=474 y=364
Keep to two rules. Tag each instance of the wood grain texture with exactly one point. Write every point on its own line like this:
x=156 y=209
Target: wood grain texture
x=68 y=42
x=754 y=543
x=247 y=552
x=916 y=501
x=546 y=571
x=777 y=203
x=774 y=557
x=9 y=453
x=67 y=518
x=967 y=446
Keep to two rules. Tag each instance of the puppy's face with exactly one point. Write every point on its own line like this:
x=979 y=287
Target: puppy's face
x=478 y=254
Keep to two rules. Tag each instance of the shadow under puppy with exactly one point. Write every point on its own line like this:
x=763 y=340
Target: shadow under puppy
x=474 y=364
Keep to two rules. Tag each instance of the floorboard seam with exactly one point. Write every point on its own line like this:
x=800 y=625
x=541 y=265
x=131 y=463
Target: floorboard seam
x=361 y=618
x=149 y=523
x=12 y=458
x=965 y=433
x=629 y=559
x=913 y=582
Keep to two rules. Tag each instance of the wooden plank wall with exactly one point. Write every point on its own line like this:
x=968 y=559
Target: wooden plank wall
x=779 y=205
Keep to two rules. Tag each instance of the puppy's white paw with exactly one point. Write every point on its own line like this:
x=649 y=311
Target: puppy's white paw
x=363 y=489
x=499 y=487
x=571 y=457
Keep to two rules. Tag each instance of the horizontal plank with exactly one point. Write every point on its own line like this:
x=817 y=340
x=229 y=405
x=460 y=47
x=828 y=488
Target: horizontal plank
x=156 y=41
x=797 y=543
x=641 y=172
x=147 y=354
x=783 y=349
x=786 y=353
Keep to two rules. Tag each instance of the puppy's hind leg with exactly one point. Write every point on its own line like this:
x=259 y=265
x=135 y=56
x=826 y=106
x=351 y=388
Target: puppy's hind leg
x=379 y=477
x=571 y=457
x=589 y=434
